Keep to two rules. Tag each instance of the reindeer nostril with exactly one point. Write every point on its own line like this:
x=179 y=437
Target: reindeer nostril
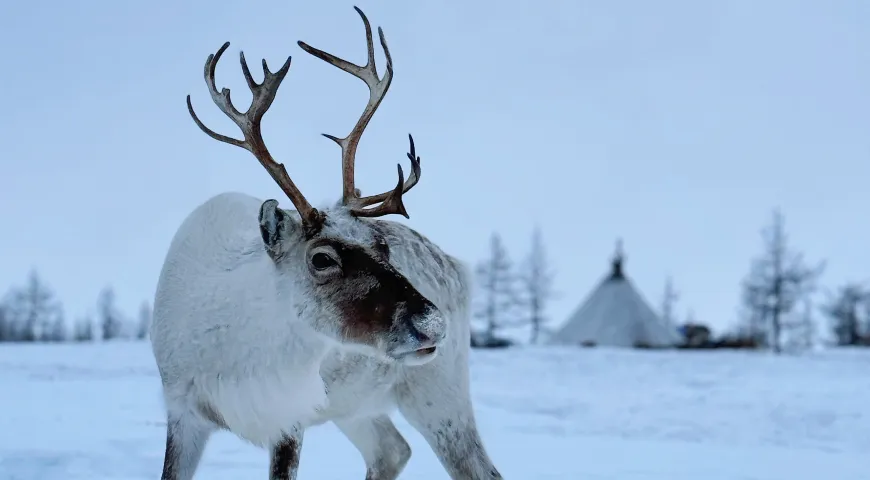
x=420 y=317
x=418 y=335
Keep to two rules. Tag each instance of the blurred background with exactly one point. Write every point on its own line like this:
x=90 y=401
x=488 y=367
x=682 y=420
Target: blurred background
x=635 y=185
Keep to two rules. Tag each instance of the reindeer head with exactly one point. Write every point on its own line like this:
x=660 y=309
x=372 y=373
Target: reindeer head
x=337 y=258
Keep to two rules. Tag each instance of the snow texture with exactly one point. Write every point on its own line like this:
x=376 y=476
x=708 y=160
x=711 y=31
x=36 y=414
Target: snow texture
x=75 y=412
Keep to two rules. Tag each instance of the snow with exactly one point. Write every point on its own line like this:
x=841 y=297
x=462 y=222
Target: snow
x=94 y=412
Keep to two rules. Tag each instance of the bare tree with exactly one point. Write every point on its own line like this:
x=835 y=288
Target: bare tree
x=778 y=280
x=498 y=288
x=669 y=299
x=144 y=321
x=845 y=309
x=5 y=325
x=753 y=311
x=57 y=330
x=536 y=281
x=110 y=319
x=32 y=310
x=802 y=330
x=867 y=321
x=83 y=330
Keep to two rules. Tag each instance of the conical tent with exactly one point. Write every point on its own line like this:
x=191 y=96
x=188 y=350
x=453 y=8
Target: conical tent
x=615 y=314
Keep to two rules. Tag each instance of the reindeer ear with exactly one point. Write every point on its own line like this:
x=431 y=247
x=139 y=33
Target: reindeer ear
x=276 y=228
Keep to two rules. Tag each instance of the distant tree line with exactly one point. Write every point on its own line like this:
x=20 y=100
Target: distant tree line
x=511 y=295
x=33 y=313
x=778 y=300
x=778 y=309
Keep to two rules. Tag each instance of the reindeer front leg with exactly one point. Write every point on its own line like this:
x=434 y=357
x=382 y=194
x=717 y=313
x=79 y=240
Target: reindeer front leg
x=380 y=443
x=284 y=457
x=186 y=438
x=439 y=407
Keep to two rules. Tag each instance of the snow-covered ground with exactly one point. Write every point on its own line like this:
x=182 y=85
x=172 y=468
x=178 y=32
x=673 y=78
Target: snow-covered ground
x=94 y=412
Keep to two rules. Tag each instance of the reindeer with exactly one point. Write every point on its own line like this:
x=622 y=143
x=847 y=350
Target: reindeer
x=269 y=321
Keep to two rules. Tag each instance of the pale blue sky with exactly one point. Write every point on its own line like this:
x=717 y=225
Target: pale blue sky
x=676 y=124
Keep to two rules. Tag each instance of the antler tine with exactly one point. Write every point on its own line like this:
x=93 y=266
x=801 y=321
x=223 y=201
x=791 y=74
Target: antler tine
x=391 y=202
x=249 y=124
x=378 y=88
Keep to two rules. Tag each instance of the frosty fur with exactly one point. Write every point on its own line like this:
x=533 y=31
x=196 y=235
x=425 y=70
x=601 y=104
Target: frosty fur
x=248 y=338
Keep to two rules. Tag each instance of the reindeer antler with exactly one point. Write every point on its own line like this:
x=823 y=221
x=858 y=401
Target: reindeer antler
x=249 y=123
x=390 y=202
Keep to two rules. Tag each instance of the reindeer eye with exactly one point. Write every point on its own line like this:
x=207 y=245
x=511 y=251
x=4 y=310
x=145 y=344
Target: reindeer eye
x=322 y=261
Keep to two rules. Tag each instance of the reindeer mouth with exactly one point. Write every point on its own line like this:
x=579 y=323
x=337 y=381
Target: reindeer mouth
x=418 y=356
x=424 y=352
